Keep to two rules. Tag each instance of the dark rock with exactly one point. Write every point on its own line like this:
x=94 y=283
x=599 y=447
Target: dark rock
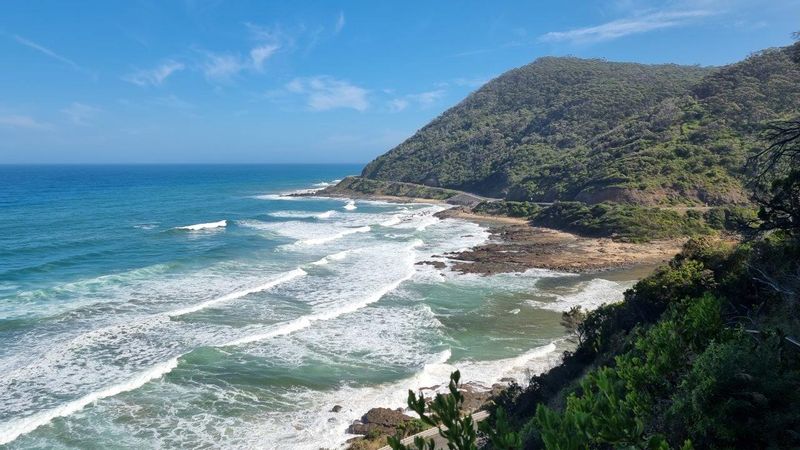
x=474 y=398
x=436 y=264
x=336 y=408
x=379 y=420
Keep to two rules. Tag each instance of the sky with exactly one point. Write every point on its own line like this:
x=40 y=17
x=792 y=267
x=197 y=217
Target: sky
x=213 y=81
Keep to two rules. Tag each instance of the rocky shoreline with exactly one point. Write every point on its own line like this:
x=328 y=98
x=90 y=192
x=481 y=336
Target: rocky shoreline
x=516 y=246
x=379 y=423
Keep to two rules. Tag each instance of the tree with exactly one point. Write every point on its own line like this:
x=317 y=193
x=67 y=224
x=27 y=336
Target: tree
x=572 y=320
x=776 y=169
x=776 y=179
x=459 y=430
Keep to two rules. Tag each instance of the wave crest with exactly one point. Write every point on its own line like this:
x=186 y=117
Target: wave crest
x=204 y=226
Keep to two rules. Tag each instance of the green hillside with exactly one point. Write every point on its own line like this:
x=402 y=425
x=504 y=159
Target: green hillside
x=705 y=352
x=593 y=131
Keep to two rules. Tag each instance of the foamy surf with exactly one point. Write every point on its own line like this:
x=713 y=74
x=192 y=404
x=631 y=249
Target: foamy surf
x=350 y=205
x=396 y=219
x=306 y=321
x=334 y=257
x=302 y=214
x=320 y=429
x=10 y=431
x=590 y=295
x=238 y=294
x=204 y=226
x=333 y=237
x=355 y=312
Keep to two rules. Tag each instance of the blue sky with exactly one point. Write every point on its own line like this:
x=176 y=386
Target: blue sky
x=315 y=81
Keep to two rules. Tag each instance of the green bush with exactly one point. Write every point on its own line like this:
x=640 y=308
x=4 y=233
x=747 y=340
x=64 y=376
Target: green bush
x=740 y=393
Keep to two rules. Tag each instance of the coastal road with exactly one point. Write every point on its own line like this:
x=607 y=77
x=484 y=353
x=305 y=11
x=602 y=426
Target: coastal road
x=433 y=433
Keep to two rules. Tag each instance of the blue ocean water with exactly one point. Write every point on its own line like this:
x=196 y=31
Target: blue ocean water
x=200 y=306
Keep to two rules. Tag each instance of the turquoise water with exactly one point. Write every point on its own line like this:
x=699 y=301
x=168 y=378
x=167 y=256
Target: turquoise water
x=200 y=307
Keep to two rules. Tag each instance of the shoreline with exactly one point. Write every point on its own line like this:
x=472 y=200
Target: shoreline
x=516 y=246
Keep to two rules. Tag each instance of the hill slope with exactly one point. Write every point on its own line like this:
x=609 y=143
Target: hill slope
x=593 y=131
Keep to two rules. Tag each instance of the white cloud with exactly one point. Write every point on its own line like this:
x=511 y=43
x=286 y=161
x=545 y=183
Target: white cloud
x=423 y=100
x=42 y=49
x=221 y=67
x=155 y=76
x=427 y=98
x=80 y=113
x=225 y=66
x=339 y=23
x=624 y=27
x=20 y=121
x=260 y=54
x=172 y=101
x=398 y=104
x=324 y=93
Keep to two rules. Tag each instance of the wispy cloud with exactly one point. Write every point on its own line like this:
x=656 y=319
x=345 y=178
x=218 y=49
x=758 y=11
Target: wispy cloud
x=427 y=98
x=22 y=121
x=46 y=51
x=80 y=113
x=155 y=76
x=422 y=99
x=339 y=23
x=172 y=101
x=398 y=104
x=625 y=27
x=261 y=53
x=223 y=67
x=324 y=93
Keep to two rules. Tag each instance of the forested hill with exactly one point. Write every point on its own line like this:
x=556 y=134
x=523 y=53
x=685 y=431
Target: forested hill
x=593 y=131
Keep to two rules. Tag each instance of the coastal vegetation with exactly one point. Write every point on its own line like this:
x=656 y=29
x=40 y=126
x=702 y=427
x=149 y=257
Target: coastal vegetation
x=703 y=353
x=631 y=223
x=365 y=186
x=569 y=129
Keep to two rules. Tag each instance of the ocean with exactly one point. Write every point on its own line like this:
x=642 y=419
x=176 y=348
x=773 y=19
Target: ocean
x=199 y=306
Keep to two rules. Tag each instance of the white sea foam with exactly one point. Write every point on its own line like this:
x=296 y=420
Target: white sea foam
x=309 y=233
x=333 y=237
x=339 y=297
x=204 y=226
x=394 y=220
x=306 y=321
x=315 y=427
x=590 y=295
x=302 y=214
x=9 y=431
x=288 y=276
x=334 y=257
x=350 y=205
